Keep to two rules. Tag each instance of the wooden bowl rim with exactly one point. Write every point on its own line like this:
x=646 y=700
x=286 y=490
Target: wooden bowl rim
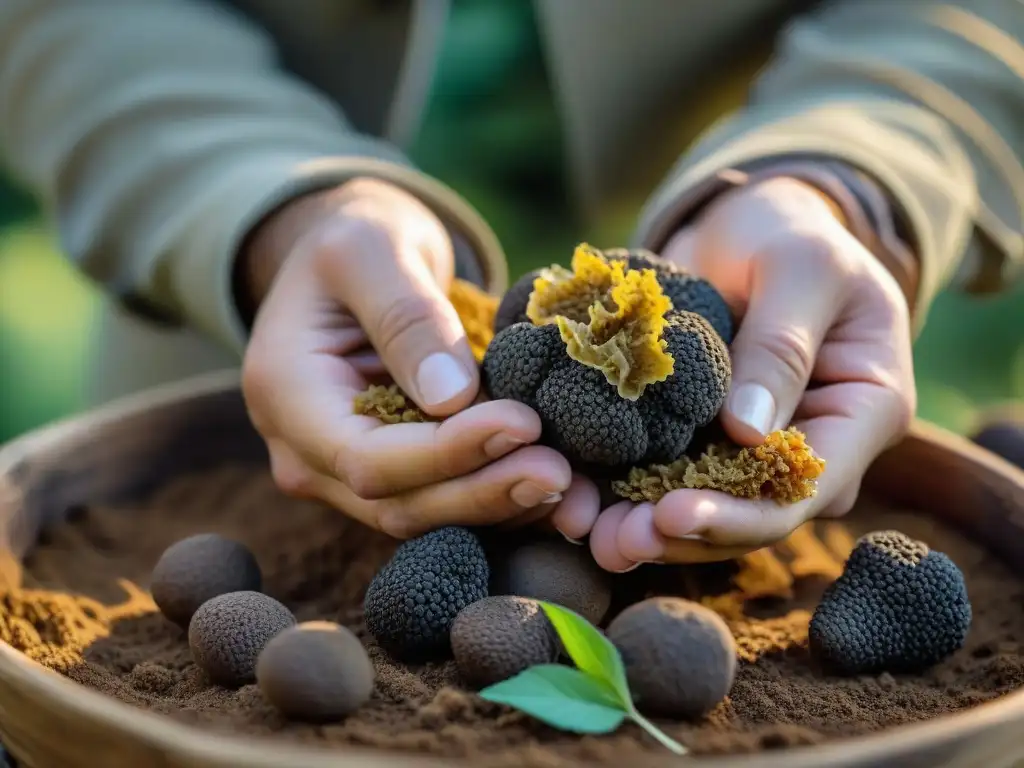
x=213 y=748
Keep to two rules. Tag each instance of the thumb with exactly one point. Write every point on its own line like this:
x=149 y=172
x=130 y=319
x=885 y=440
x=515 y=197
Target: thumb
x=794 y=300
x=396 y=299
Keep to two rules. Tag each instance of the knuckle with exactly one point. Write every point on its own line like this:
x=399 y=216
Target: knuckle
x=792 y=349
x=815 y=255
x=289 y=477
x=401 y=318
x=358 y=475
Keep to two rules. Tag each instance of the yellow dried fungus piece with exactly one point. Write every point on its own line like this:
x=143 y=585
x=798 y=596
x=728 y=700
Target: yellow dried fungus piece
x=388 y=404
x=610 y=318
x=476 y=310
x=783 y=468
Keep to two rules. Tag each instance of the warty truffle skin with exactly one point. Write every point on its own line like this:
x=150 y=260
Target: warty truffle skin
x=680 y=656
x=193 y=570
x=500 y=636
x=897 y=607
x=582 y=414
x=317 y=672
x=413 y=600
x=228 y=633
x=557 y=572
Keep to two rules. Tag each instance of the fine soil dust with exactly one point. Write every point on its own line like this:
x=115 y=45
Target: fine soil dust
x=85 y=612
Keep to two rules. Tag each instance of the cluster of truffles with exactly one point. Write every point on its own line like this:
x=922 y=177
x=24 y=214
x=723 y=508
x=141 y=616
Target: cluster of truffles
x=623 y=357
x=210 y=586
x=439 y=597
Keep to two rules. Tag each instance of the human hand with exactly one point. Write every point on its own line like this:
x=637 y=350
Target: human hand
x=351 y=286
x=818 y=309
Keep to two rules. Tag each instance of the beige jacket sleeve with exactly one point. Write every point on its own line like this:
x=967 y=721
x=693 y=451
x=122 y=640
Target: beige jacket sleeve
x=926 y=97
x=157 y=132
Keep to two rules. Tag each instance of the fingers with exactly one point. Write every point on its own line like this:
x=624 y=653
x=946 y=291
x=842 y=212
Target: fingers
x=850 y=425
x=515 y=485
x=603 y=539
x=405 y=313
x=577 y=512
x=799 y=288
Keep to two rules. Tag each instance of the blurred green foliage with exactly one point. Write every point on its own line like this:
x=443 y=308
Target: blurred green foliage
x=491 y=132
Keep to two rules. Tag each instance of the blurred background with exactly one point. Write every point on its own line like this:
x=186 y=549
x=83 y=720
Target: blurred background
x=491 y=133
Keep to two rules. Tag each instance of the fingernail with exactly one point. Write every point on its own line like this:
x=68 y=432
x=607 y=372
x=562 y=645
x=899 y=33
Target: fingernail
x=500 y=445
x=528 y=495
x=571 y=540
x=440 y=378
x=633 y=567
x=754 y=406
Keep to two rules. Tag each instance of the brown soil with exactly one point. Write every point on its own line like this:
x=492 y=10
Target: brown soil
x=85 y=612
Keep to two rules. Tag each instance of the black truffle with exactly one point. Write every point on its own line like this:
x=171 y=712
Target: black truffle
x=557 y=572
x=680 y=656
x=585 y=416
x=228 y=633
x=498 y=637
x=412 y=602
x=317 y=671
x=195 y=569
x=898 y=606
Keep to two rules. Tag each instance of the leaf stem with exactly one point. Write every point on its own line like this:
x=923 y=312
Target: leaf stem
x=673 y=745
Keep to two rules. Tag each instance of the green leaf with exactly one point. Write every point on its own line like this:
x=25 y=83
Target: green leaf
x=562 y=697
x=591 y=651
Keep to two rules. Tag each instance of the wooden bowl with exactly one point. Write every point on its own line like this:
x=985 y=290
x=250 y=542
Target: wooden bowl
x=131 y=447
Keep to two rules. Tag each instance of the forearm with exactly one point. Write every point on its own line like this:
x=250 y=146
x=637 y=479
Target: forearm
x=157 y=133
x=930 y=115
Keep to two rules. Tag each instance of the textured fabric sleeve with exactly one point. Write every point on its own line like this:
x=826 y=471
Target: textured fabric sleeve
x=926 y=98
x=157 y=132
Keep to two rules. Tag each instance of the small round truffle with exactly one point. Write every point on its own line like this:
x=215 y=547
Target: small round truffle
x=228 y=633
x=680 y=656
x=498 y=637
x=557 y=572
x=413 y=600
x=317 y=671
x=195 y=569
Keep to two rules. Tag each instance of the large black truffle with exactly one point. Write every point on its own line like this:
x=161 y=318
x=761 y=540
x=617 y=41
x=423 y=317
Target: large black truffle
x=584 y=415
x=412 y=602
x=680 y=656
x=317 y=671
x=228 y=633
x=557 y=572
x=498 y=637
x=898 y=606
x=193 y=570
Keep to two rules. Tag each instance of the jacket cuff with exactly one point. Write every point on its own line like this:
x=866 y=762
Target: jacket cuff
x=200 y=272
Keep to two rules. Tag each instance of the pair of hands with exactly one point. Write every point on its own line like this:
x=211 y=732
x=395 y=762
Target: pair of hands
x=351 y=286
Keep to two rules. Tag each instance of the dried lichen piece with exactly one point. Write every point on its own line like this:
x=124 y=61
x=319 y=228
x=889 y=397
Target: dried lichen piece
x=389 y=404
x=810 y=555
x=783 y=468
x=763 y=574
x=757 y=637
x=611 y=318
x=476 y=310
